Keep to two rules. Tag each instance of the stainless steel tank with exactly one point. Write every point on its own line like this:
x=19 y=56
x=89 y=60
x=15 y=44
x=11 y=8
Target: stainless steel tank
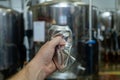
x=117 y=19
x=71 y=13
x=109 y=43
x=106 y=22
x=54 y=13
x=11 y=38
x=87 y=49
x=117 y=23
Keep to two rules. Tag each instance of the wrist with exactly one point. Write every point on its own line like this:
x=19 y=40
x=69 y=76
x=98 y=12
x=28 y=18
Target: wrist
x=36 y=71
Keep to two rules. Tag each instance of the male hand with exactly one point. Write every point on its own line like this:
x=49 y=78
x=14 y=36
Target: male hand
x=44 y=59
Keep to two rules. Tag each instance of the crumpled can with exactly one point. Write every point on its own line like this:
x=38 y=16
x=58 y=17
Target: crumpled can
x=62 y=58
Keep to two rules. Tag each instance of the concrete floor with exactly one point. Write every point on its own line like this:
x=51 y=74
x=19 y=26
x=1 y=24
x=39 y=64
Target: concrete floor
x=1 y=76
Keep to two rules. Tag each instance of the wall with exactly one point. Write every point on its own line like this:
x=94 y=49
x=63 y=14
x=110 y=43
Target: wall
x=5 y=3
x=103 y=4
x=15 y=4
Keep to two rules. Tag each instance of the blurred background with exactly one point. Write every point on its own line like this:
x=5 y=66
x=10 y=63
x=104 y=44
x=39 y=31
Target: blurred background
x=95 y=25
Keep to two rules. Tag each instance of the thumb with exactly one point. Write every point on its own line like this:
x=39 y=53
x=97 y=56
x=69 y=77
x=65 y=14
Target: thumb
x=56 y=41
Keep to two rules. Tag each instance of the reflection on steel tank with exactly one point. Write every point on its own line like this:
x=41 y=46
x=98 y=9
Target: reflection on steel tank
x=12 y=51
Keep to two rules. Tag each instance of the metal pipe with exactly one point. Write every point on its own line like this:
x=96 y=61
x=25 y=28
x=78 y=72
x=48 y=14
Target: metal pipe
x=26 y=40
x=90 y=19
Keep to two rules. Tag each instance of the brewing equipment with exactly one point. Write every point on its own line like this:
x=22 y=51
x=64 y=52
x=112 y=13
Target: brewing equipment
x=12 y=50
x=87 y=44
x=117 y=19
x=58 y=13
x=73 y=14
x=117 y=37
x=109 y=45
x=52 y=13
x=106 y=22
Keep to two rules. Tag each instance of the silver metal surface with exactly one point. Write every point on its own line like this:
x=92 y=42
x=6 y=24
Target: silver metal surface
x=9 y=32
x=117 y=19
x=106 y=20
x=62 y=58
x=64 y=76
